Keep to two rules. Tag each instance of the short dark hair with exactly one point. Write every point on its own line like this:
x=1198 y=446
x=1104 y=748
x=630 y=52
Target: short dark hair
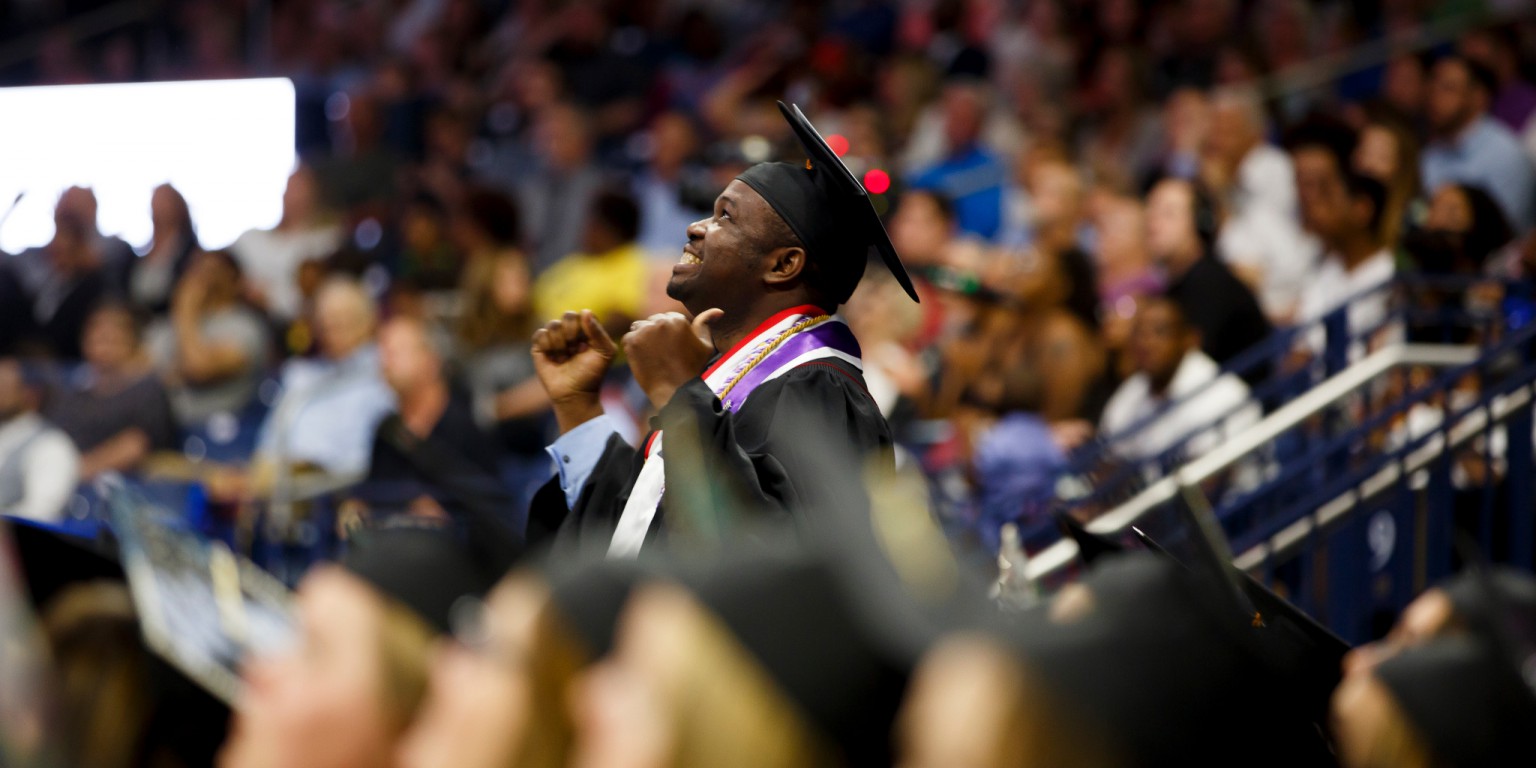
x=495 y=214
x=1319 y=131
x=616 y=210
x=1481 y=75
x=940 y=200
x=135 y=316
x=1361 y=186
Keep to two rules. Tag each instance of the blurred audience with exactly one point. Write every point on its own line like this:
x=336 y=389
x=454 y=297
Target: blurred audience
x=1176 y=395
x=213 y=350
x=328 y=407
x=270 y=258
x=1181 y=232
x=39 y=466
x=152 y=277
x=1468 y=145
x=114 y=406
x=607 y=275
x=556 y=193
x=64 y=279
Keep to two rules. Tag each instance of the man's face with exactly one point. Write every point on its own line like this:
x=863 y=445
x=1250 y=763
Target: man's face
x=1170 y=220
x=1321 y=192
x=406 y=357
x=1159 y=340
x=1452 y=97
x=721 y=266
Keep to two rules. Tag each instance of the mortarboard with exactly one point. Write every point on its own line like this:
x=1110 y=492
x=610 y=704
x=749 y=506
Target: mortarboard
x=590 y=597
x=827 y=208
x=1467 y=702
x=427 y=567
x=52 y=559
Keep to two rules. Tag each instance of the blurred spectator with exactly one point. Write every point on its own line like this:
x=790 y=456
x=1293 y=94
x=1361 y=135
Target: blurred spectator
x=1343 y=209
x=212 y=350
x=556 y=196
x=1467 y=145
x=887 y=325
x=1497 y=49
x=39 y=466
x=967 y=173
x=1126 y=270
x=1121 y=146
x=153 y=276
x=660 y=187
x=1463 y=228
x=328 y=408
x=427 y=256
x=113 y=407
x=493 y=350
x=1016 y=461
x=1181 y=230
x=1248 y=172
x=1389 y=153
x=64 y=279
x=608 y=276
x=1171 y=396
x=486 y=225
x=270 y=258
x=1254 y=186
x=429 y=454
x=363 y=171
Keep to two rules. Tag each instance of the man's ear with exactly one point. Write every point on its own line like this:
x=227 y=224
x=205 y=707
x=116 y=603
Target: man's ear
x=785 y=265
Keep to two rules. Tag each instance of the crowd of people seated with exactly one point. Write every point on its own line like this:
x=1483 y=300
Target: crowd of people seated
x=1101 y=209
x=1105 y=208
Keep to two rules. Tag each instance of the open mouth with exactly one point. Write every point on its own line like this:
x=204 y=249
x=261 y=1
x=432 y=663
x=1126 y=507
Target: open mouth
x=690 y=259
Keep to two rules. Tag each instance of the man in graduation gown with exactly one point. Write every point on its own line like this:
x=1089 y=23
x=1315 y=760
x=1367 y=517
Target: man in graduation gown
x=761 y=402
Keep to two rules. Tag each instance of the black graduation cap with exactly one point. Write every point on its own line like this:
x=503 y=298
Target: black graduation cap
x=1159 y=670
x=1090 y=546
x=52 y=559
x=827 y=208
x=590 y=596
x=839 y=611
x=1468 y=703
x=1307 y=653
x=427 y=566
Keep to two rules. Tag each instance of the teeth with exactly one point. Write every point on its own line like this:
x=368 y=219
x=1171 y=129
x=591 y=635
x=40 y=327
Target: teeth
x=689 y=258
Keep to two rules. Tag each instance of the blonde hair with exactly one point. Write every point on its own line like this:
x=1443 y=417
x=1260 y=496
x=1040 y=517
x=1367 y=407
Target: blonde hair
x=405 y=646
x=728 y=711
x=555 y=658
x=481 y=322
x=102 y=675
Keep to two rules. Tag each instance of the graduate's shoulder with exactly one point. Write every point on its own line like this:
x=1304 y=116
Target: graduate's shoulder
x=828 y=373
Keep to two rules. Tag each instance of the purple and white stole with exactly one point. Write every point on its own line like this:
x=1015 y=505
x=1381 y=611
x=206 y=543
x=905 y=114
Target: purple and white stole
x=752 y=363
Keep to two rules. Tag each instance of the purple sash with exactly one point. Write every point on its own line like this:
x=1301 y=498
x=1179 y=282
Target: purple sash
x=829 y=339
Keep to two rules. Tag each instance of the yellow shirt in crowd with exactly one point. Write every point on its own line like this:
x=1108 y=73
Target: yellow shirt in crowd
x=607 y=283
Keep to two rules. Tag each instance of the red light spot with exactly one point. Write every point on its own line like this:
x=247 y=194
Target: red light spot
x=877 y=182
x=838 y=144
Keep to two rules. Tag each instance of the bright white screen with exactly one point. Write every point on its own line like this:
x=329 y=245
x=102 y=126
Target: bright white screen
x=227 y=145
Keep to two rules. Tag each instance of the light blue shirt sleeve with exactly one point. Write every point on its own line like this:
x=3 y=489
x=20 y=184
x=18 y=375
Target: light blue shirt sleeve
x=576 y=453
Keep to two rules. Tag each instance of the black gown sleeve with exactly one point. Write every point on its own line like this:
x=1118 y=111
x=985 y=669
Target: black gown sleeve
x=797 y=445
x=592 y=520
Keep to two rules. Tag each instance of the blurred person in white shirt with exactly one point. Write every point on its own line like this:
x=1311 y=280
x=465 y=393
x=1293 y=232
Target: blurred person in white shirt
x=1176 y=394
x=270 y=258
x=39 y=466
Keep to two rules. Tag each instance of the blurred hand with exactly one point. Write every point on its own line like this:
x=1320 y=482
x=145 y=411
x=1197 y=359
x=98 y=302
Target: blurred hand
x=190 y=294
x=666 y=351
x=571 y=355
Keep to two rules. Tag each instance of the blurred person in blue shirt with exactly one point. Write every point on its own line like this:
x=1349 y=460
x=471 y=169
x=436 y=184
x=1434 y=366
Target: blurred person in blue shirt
x=969 y=175
x=1016 y=460
x=1469 y=146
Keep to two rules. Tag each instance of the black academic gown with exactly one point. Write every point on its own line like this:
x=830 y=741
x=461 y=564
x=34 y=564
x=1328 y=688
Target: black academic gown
x=793 y=447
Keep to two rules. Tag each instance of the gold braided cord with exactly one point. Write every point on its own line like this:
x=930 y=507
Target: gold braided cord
x=803 y=324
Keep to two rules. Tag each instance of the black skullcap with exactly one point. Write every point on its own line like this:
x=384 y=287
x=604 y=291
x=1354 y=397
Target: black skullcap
x=426 y=568
x=1469 y=704
x=1513 y=605
x=828 y=210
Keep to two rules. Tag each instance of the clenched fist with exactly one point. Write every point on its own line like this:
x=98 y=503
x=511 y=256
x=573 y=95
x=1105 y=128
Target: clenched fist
x=571 y=355
x=666 y=351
